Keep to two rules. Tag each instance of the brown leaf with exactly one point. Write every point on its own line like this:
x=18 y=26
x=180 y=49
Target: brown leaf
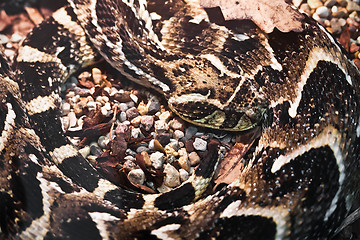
x=86 y=83
x=34 y=15
x=118 y=148
x=345 y=38
x=233 y=163
x=264 y=13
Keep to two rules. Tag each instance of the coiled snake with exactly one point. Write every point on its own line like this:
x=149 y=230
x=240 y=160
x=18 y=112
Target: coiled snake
x=228 y=65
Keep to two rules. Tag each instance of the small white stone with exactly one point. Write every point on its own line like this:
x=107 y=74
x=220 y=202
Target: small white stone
x=85 y=151
x=200 y=144
x=323 y=12
x=172 y=177
x=96 y=75
x=91 y=105
x=136 y=176
x=157 y=159
x=72 y=119
x=122 y=116
x=178 y=134
x=136 y=133
x=161 y=126
x=184 y=175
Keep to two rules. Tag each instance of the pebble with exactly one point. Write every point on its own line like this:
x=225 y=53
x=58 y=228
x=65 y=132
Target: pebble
x=16 y=37
x=184 y=175
x=102 y=141
x=130 y=152
x=122 y=117
x=134 y=98
x=122 y=96
x=96 y=76
x=163 y=138
x=174 y=144
x=3 y=39
x=136 y=176
x=176 y=124
x=129 y=165
x=153 y=107
x=85 y=151
x=322 y=12
x=194 y=158
x=132 y=113
x=340 y=13
x=178 y=134
x=136 y=133
x=72 y=119
x=190 y=131
x=172 y=177
x=142 y=149
x=146 y=159
x=352 y=6
x=314 y=3
x=136 y=121
x=157 y=160
x=147 y=121
x=123 y=107
x=329 y=3
x=142 y=108
x=337 y=24
x=65 y=122
x=200 y=144
x=161 y=126
x=165 y=116
x=95 y=149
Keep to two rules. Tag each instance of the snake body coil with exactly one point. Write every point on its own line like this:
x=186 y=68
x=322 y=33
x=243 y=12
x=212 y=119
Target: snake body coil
x=218 y=66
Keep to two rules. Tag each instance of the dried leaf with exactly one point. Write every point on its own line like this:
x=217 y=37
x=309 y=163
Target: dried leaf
x=264 y=13
x=233 y=163
x=345 y=39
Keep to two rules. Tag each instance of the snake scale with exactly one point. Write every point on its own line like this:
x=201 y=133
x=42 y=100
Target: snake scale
x=228 y=65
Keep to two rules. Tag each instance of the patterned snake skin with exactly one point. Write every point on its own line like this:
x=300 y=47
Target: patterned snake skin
x=227 y=65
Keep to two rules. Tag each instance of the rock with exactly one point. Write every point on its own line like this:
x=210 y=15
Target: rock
x=342 y=3
x=184 y=175
x=157 y=160
x=337 y=24
x=142 y=108
x=66 y=108
x=123 y=107
x=161 y=126
x=3 y=39
x=136 y=121
x=91 y=105
x=72 y=119
x=146 y=159
x=172 y=177
x=163 y=138
x=297 y=2
x=122 y=96
x=329 y=3
x=352 y=6
x=132 y=113
x=85 y=151
x=163 y=188
x=314 y=3
x=96 y=76
x=153 y=107
x=190 y=131
x=65 y=122
x=102 y=142
x=165 y=116
x=129 y=165
x=121 y=129
x=174 y=144
x=130 y=152
x=306 y=8
x=122 y=116
x=142 y=149
x=136 y=133
x=176 y=125
x=322 y=12
x=340 y=13
x=136 y=176
x=189 y=146
x=134 y=98
x=194 y=158
x=95 y=149
x=147 y=121
x=200 y=144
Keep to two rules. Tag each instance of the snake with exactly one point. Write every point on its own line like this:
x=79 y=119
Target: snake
x=227 y=65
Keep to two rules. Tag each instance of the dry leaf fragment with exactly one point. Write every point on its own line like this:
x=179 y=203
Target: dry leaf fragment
x=264 y=13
